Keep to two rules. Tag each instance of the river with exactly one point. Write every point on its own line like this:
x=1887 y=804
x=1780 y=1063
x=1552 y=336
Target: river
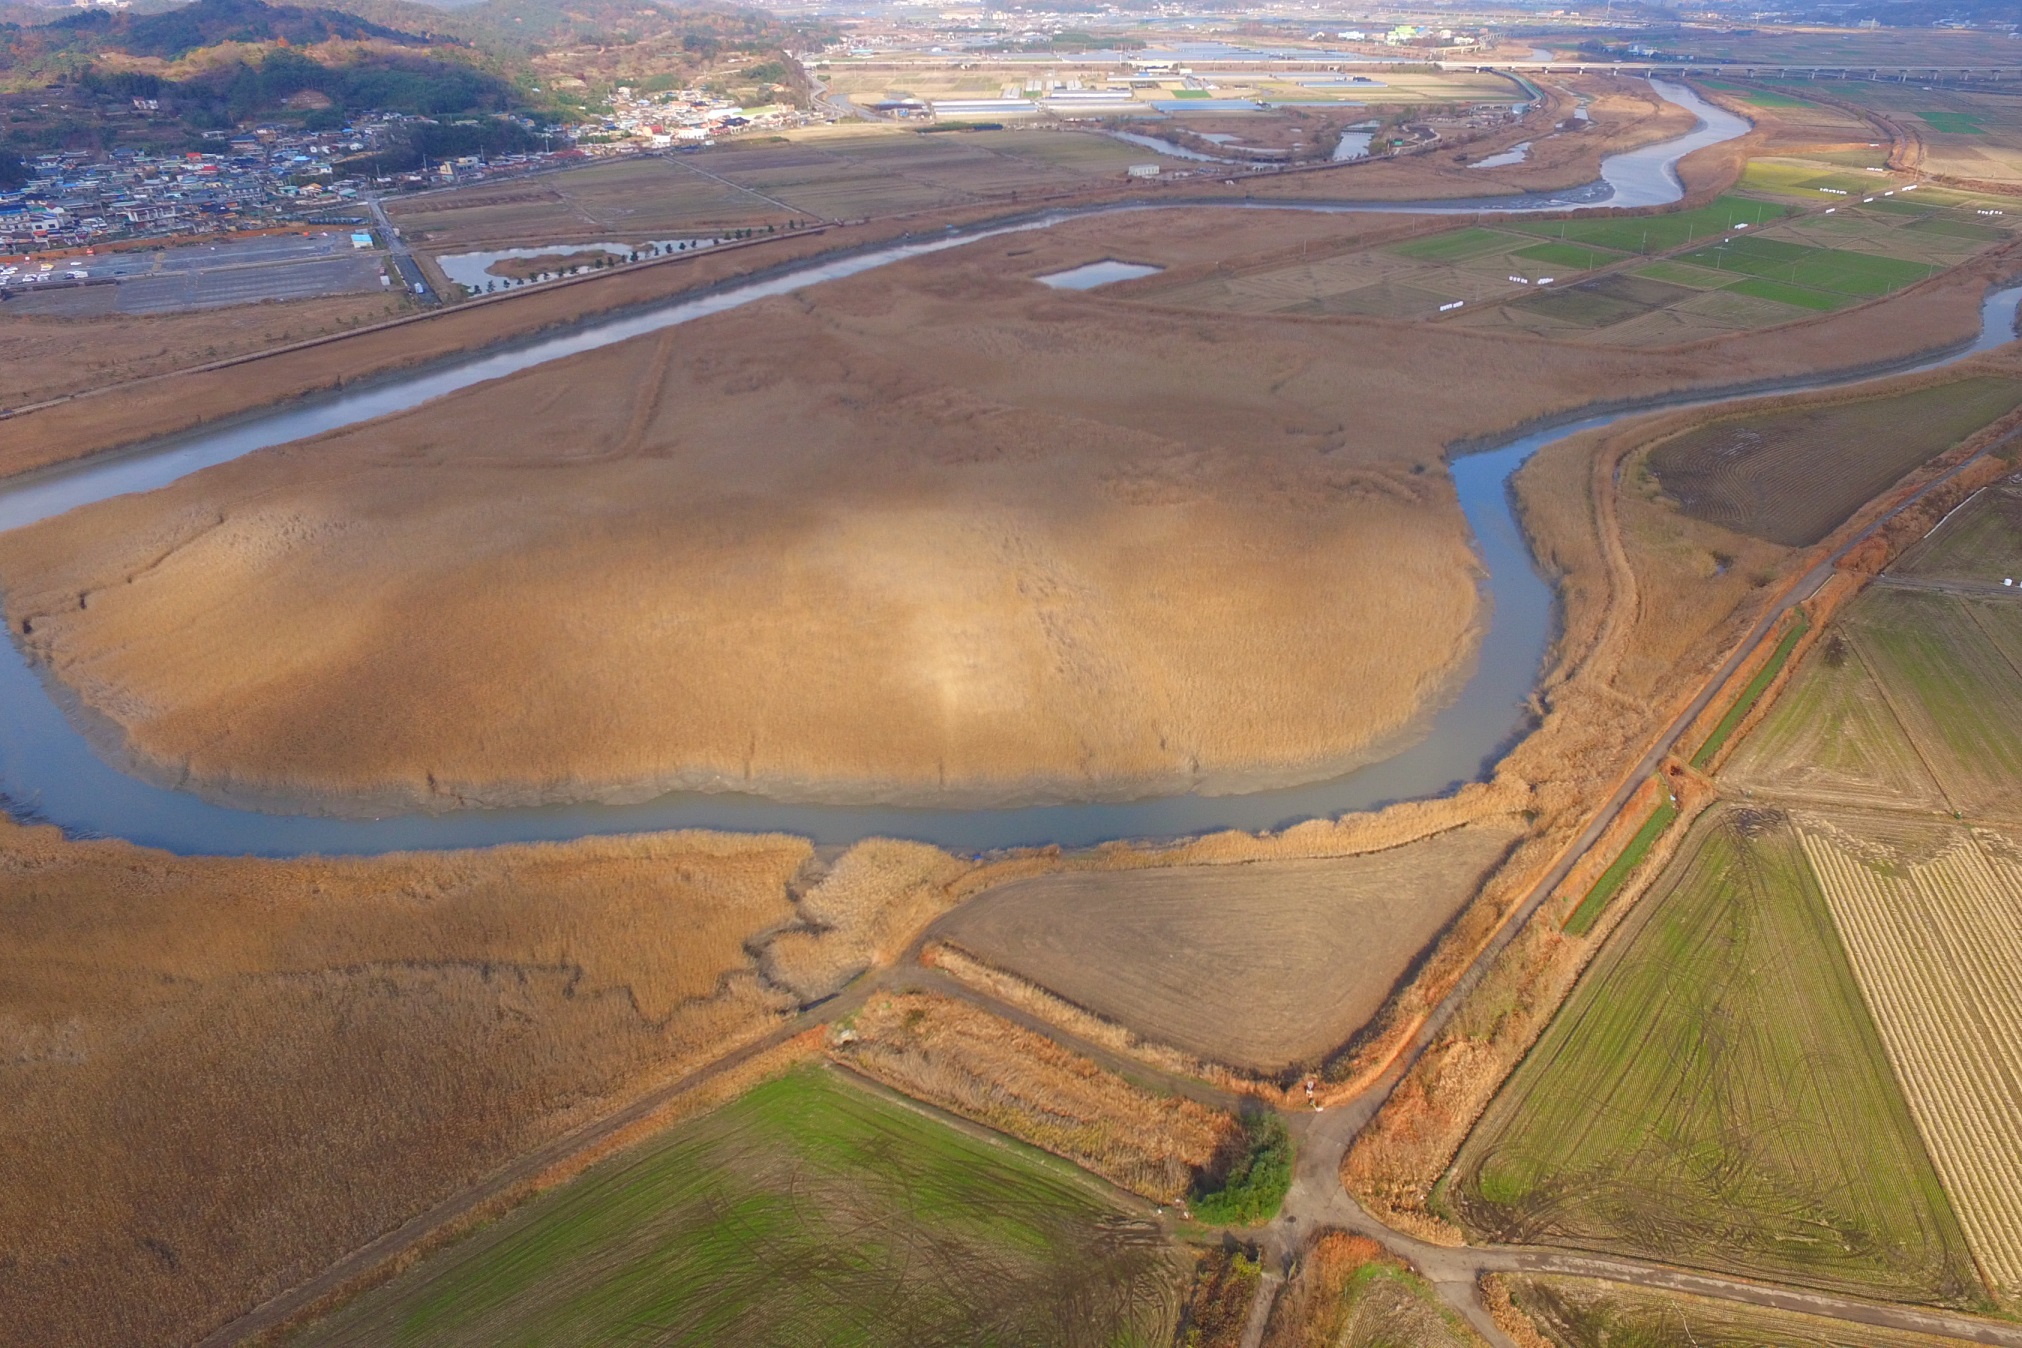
x=50 y=772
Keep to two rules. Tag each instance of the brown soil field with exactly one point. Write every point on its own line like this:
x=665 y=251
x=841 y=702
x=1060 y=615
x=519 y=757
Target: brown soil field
x=962 y=530
x=45 y=357
x=220 y=1075
x=842 y=173
x=1931 y=918
x=985 y=1068
x=1584 y=1313
x=647 y=197
x=1260 y=966
x=1791 y=477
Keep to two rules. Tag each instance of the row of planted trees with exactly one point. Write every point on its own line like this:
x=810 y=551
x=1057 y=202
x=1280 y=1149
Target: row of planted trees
x=649 y=251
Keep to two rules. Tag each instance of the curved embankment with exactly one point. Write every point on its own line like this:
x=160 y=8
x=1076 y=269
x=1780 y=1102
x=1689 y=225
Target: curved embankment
x=49 y=771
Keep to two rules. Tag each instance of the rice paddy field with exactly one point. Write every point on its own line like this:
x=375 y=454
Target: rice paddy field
x=1716 y=1094
x=1980 y=544
x=1948 y=667
x=1833 y=738
x=811 y=1211
x=1792 y=476
x=1750 y=259
x=1801 y=1052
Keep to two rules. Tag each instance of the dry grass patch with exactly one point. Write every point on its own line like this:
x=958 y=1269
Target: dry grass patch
x=1218 y=1302
x=1349 y=1293
x=45 y=357
x=219 y=1075
x=1260 y=966
x=1008 y=1078
x=862 y=912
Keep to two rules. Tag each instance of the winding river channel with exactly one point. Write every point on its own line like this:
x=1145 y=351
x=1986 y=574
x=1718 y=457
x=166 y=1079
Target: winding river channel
x=50 y=772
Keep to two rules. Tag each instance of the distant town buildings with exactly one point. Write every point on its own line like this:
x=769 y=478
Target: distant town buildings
x=680 y=117
x=250 y=179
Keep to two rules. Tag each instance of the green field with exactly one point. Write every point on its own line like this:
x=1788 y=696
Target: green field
x=1569 y=255
x=1761 y=98
x=1835 y=270
x=1753 y=692
x=1589 y=912
x=1809 y=179
x=1714 y=1094
x=1953 y=123
x=811 y=1211
x=1787 y=294
x=1455 y=244
x=1981 y=542
x=1948 y=666
x=1832 y=737
x=1658 y=233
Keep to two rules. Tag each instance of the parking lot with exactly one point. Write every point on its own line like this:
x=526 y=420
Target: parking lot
x=201 y=276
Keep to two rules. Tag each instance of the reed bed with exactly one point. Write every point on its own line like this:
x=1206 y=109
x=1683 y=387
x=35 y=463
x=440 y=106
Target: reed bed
x=221 y=1074
x=985 y=1068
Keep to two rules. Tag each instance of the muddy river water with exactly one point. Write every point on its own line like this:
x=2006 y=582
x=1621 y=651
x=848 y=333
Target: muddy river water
x=49 y=770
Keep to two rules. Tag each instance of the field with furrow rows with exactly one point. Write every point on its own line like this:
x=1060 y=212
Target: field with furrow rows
x=1937 y=948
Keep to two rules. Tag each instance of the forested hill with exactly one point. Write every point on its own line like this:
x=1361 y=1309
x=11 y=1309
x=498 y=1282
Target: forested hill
x=206 y=23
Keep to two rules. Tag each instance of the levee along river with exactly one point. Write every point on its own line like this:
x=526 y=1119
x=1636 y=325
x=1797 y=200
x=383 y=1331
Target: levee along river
x=50 y=772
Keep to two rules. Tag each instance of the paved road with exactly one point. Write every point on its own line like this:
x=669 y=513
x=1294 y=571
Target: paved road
x=402 y=259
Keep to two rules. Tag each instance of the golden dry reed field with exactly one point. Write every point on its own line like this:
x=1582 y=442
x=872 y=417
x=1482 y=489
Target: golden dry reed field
x=222 y=1074
x=935 y=533
x=1935 y=937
